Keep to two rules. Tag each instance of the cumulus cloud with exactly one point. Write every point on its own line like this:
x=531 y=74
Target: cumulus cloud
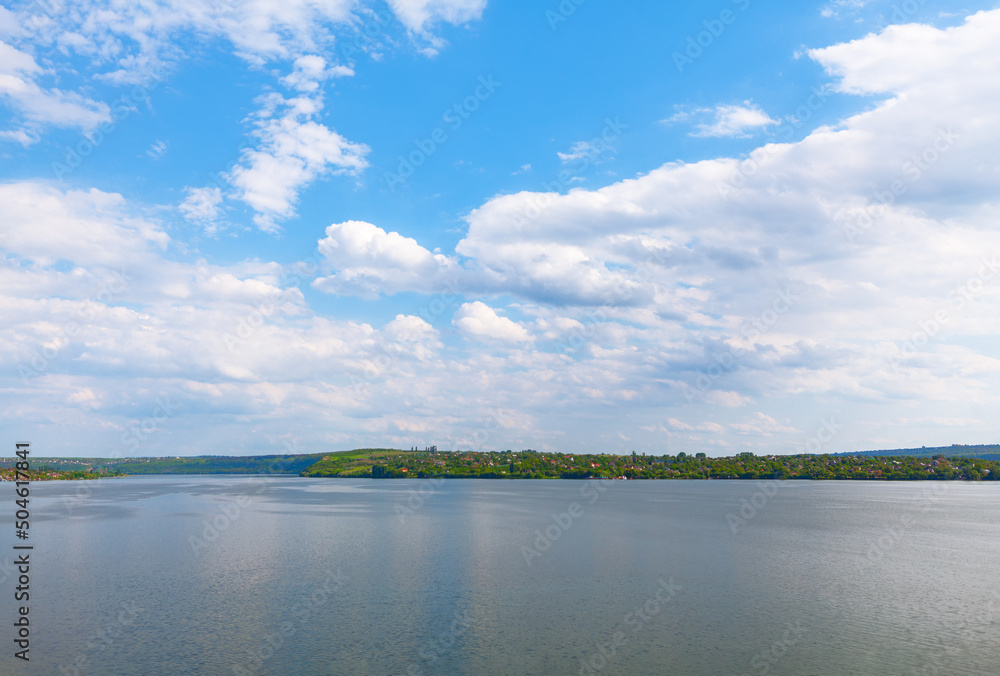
x=293 y=150
x=734 y=120
x=90 y=227
x=408 y=328
x=97 y=332
x=712 y=246
x=368 y=260
x=479 y=321
x=854 y=268
x=724 y=120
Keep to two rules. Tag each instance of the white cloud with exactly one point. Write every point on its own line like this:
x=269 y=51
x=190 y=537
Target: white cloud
x=294 y=150
x=585 y=153
x=408 y=328
x=202 y=206
x=408 y=336
x=633 y=292
x=834 y=8
x=134 y=43
x=733 y=120
x=260 y=31
x=761 y=425
x=420 y=16
x=90 y=227
x=417 y=15
x=157 y=149
x=22 y=136
x=578 y=151
x=310 y=70
x=137 y=38
x=368 y=260
x=37 y=105
x=681 y=255
x=100 y=324
x=479 y=321
x=9 y=25
x=876 y=63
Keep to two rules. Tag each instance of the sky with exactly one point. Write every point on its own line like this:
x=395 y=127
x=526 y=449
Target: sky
x=299 y=226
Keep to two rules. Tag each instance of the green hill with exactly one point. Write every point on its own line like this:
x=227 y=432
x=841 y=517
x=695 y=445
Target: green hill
x=951 y=462
x=359 y=462
x=984 y=451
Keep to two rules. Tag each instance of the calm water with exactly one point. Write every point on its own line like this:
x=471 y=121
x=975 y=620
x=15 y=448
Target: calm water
x=312 y=576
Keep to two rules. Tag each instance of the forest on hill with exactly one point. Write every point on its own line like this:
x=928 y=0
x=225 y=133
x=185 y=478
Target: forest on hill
x=530 y=464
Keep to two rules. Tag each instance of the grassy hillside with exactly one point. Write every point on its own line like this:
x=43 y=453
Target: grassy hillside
x=359 y=462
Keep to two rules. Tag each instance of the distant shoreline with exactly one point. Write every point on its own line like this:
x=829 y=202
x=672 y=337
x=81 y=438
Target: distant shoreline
x=531 y=464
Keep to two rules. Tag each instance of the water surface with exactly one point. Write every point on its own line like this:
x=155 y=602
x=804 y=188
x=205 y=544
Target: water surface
x=286 y=575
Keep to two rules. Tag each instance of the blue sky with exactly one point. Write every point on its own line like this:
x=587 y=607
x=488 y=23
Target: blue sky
x=318 y=225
